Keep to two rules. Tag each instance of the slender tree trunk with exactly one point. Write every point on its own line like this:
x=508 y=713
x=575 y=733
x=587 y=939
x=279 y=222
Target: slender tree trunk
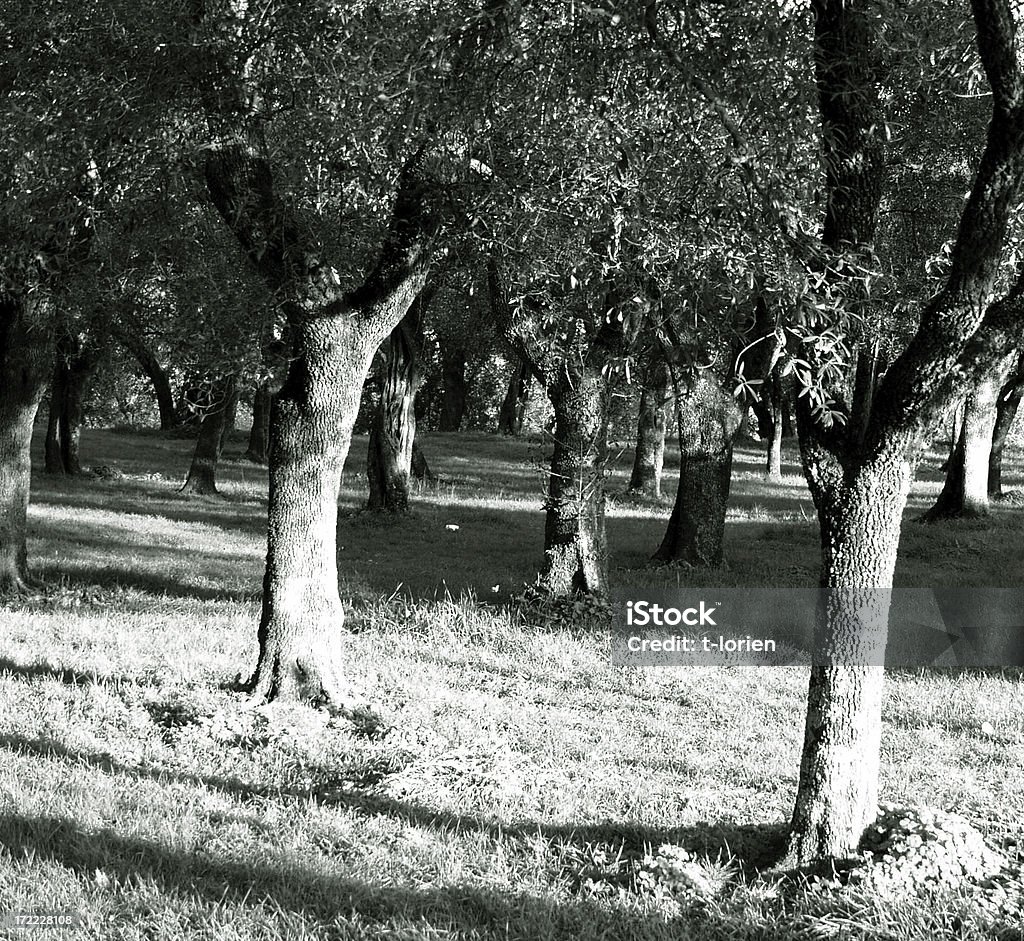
x=53 y=457
x=513 y=406
x=25 y=365
x=649 y=458
x=453 y=378
x=575 y=549
x=389 y=456
x=1007 y=406
x=156 y=374
x=860 y=529
x=777 y=407
x=965 y=491
x=202 y=475
x=259 y=434
x=708 y=420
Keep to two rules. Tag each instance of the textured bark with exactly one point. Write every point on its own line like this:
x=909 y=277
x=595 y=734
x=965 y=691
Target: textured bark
x=860 y=486
x=649 y=457
x=860 y=530
x=865 y=379
x=25 y=365
x=513 y=406
x=156 y=374
x=333 y=335
x=213 y=431
x=455 y=389
x=259 y=433
x=708 y=420
x=389 y=455
x=1007 y=405
x=575 y=549
x=965 y=490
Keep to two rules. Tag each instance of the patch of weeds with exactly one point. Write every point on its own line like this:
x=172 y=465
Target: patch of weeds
x=536 y=603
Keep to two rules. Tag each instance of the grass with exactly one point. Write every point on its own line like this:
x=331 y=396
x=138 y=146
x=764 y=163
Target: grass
x=515 y=784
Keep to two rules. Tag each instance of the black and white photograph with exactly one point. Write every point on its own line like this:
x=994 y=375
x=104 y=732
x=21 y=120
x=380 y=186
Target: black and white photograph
x=512 y=470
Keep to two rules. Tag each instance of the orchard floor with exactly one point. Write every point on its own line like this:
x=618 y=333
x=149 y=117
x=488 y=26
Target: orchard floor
x=513 y=779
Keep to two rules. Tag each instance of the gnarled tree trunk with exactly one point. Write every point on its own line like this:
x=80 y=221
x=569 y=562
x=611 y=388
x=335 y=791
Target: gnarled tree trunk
x=575 y=548
x=649 y=457
x=333 y=335
x=25 y=364
x=213 y=430
x=389 y=456
x=708 y=420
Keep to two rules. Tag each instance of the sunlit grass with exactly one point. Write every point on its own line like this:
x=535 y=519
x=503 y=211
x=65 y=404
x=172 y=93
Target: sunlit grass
x=509 y=759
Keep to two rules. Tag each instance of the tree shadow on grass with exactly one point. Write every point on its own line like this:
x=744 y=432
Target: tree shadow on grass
x=85 y=578
x=753 y=847
x=333 y=900
x=64 y=674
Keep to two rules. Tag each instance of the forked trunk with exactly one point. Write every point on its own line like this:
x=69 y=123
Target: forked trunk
x=202 y=475
x=259 y=434
x=649 y=458
x=25 y=364
x=575 y=550
x=708 y=420
x=1007 y=406
x=965 y=491
x=513 y=406
x=300 y=633
x=860 y=530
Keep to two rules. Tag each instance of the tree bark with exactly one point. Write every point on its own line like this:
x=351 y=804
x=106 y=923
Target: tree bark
x=202 y=475
x=709 y=418
x=575 y=548
x=649 y=457
x=25 y=364
x=860 y=529
x=389 y=456
x=860 y=486
x=513 y=406
x=453 y=379
x=965 y=490
x=259 y=434
x=334 y=335
x=1007 y=406
x=778 y=406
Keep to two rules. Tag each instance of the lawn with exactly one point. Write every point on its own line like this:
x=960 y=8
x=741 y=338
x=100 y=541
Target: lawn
x=511 y=784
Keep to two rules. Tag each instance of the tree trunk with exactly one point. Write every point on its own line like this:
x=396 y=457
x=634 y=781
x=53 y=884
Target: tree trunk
x=25 y=364
x=453 y=378
x=649 y=458
x=860 y=529
x=708 y=420
x=389 y=456
x=965 y=491
x=333 y=335
x=202 y=475
x=777 y=407
x=156 y=374
x=259 y=434
x=53 y=457
x=865 y=379
x=513 y=406
x=75 y=363
x=575 y=550
x=1007 y=406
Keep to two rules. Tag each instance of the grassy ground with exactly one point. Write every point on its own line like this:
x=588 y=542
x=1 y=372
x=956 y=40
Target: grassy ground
x=516 y=783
